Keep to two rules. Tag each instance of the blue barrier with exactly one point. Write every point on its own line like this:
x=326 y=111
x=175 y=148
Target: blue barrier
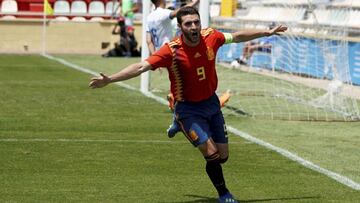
x=354 y=62
x=304 y=56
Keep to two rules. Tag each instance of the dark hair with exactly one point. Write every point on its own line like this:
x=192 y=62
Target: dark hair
x=187 y=10
x=154 y=1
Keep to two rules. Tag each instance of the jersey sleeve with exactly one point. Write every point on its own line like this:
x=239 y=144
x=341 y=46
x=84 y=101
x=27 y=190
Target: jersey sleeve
x=161 y=58
x=165 y=14
x=220 y=39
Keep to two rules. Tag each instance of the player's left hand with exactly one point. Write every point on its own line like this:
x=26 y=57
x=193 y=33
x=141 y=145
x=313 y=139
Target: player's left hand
x=277 y=30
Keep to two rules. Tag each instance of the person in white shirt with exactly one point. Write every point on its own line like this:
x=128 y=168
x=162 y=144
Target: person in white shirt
x=159 y=28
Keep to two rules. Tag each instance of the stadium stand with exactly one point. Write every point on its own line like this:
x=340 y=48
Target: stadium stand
x=293 y=2
x=79 y=19
x=78 y=7
x=354 y=19
x=61 y=7
x=62 y=18
x=347 y=3
x=337 y=17
x=101 y=9
x=112 y=8
x=96 y=19
x=96 y=8
x=278 y=14
x=319 y=16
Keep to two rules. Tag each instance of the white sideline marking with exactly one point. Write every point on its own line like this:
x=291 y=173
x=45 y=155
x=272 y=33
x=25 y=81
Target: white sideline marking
x=339 y=178
x=85 y=70
x=308 y=164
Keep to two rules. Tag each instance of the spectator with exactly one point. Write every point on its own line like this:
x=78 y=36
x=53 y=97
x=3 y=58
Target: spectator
x=262 y=45
x=127 y=44
x=251 y=47
x=132 y=41
x=128 y=8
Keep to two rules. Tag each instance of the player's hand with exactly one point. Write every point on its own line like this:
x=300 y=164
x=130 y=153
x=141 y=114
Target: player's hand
x=193 y=3
x=277 y=30
x=99 y=82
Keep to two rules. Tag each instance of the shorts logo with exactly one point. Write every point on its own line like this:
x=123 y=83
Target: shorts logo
x=210 y=53
x=193 y=135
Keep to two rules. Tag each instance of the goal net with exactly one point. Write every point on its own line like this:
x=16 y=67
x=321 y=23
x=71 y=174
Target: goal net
x=302 y=75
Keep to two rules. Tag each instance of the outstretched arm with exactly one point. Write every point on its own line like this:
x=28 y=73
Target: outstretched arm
x=193 y=3
x=246 y=35
x=129 y=72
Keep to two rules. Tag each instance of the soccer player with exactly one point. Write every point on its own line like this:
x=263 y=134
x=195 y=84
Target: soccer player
x=190 y=60
x=159 y=30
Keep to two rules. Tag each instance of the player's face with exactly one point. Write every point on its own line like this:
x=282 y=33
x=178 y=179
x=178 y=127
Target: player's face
x=191 y=28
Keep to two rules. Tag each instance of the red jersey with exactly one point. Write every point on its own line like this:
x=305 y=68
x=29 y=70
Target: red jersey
x=191 y=70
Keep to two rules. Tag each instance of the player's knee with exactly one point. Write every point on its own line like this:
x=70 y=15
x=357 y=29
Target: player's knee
x=213 y=158
x=223 y=160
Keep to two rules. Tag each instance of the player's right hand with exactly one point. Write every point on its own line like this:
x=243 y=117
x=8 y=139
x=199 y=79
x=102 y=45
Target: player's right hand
x=99 y=82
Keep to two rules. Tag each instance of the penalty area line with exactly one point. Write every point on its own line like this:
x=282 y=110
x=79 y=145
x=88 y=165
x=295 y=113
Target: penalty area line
x=335 y=176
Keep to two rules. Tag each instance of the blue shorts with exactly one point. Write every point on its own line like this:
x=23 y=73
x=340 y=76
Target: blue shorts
x=202 y=120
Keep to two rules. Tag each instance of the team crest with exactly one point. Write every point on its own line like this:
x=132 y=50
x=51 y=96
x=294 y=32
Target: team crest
x=210 y=53
x=197 y=55
x=193 y=135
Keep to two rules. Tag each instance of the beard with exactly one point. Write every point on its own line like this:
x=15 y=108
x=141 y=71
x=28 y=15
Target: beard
x=192 y=37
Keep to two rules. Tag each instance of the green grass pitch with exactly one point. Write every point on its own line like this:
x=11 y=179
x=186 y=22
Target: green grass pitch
x=62 y=142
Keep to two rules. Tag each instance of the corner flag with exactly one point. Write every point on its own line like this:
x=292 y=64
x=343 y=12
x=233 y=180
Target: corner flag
x=47 y=8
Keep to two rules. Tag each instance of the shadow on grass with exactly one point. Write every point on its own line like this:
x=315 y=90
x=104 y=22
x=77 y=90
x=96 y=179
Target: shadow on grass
x=202 y=199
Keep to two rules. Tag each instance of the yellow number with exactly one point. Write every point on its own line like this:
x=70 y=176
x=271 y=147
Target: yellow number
x=201 y=73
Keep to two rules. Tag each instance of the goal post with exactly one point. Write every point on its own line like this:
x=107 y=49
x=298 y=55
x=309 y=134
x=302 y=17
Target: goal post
x=145 y=77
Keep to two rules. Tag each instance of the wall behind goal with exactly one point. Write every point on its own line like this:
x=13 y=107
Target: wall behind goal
x=25 y=36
